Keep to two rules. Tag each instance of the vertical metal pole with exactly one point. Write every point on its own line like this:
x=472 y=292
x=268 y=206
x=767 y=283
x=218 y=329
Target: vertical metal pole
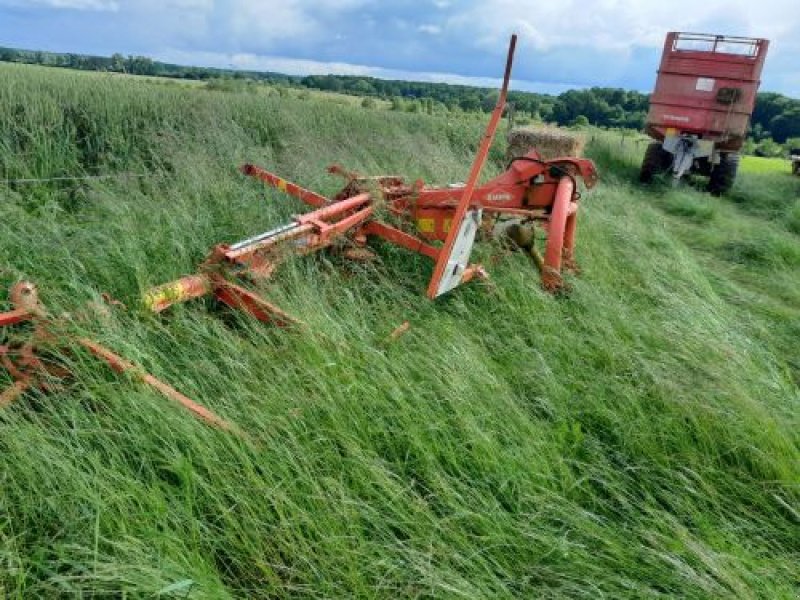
x=477 y=166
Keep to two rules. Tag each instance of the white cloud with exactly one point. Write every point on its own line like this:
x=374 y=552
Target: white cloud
x=108 y=5
x=621 y=24
x=277 y=21
x=616 y=31
x=430 y=29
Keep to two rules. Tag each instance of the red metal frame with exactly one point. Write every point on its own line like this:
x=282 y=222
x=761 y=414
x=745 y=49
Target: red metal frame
x=26 y=366
x=532 y=190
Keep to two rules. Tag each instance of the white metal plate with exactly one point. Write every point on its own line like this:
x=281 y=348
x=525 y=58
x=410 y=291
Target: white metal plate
x=458 y=260
x=704 y=84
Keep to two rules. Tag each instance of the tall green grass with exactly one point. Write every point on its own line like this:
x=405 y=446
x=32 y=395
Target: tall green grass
x=638 y=438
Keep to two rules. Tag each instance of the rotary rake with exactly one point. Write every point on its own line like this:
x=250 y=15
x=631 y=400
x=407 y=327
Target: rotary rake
x=438 y=222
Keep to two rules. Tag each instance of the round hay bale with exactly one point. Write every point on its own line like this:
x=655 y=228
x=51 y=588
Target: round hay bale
x=549 y=142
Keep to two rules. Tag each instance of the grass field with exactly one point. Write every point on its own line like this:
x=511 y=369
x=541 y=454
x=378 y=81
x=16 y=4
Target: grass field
x=758 y=164
x=639 y=438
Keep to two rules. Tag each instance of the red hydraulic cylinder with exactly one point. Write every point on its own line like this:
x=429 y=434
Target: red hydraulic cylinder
x=569 y=239
x=557 y=231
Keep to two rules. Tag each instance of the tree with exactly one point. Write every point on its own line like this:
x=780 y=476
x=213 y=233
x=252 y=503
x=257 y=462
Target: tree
x=768 y=106
x=786 y=125
x=362 y=87
x=489 y=101
x=140 y=65
x=95 y=63
x=471 y=103
x=118 y=62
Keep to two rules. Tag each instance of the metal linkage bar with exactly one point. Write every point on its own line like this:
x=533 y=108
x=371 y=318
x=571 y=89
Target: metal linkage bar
x=30 y=371
x=307 y=196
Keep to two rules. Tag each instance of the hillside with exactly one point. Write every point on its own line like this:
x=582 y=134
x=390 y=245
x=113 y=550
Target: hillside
x=636 y=439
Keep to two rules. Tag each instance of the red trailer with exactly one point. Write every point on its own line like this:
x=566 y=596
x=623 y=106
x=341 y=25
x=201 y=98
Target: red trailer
x=701 y=106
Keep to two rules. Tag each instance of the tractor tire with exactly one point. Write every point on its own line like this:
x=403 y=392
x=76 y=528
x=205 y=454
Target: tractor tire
x=724 y=174
x=656 y=161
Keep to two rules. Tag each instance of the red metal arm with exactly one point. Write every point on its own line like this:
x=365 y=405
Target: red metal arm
x=301 y=193
x=120 y=365
x=240 y=298
x=401 y=238
x=13 y=317
x=477 y=167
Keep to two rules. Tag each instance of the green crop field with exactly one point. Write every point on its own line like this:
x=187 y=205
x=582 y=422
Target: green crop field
x=638 y=438
x=758 y=164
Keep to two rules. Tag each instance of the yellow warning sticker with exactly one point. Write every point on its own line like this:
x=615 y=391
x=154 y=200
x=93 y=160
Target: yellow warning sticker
x=165 y=295
x=426 y=225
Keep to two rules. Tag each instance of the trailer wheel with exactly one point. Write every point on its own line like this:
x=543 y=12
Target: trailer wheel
x=656 y=160
x=724 y=174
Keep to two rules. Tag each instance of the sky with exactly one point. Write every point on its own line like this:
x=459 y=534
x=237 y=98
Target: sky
x=563 y=43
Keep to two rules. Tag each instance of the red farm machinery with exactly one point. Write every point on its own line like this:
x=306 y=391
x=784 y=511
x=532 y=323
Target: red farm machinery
x=701 y=106
x=440 y=223
x=532 y=196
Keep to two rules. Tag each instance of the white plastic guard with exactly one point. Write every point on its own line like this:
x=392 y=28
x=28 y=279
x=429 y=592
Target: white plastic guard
x=458 y=260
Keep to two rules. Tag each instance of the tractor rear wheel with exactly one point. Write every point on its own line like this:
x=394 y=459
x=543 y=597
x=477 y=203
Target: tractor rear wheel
x=656 y=161
x=723 y=174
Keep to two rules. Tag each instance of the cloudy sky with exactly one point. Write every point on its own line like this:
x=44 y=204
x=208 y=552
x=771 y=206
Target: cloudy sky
x=563 y=43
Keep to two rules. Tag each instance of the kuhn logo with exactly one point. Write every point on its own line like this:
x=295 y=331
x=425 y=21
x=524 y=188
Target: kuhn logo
x=676 y=118
x=499 y=197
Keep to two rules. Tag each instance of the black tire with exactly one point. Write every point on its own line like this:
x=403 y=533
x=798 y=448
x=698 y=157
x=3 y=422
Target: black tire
x=702 y=167
x=724 y=174
x=656 y=161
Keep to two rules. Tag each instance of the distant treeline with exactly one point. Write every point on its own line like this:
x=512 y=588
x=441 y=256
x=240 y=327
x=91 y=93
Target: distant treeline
x=776 y=118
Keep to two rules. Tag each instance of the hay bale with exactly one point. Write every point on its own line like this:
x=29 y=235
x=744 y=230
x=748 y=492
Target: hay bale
x=549 y=142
